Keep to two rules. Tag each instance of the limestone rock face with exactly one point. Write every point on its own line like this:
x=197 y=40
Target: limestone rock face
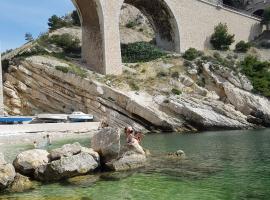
x=20 y=184
x=27 y=162
x=67 y=167
x=65 y=151
x=7 y=173
x=107 y=143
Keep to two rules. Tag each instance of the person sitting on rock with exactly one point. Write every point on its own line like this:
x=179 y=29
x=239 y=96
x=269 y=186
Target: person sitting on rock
x=129 y=134
x=103 y=123
x=139 y=136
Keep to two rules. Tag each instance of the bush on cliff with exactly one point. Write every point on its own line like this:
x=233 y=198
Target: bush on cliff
x=55 y=22
x=75 y=18
x=67 y=42
x=140 y=52
x=242 y=46
x=221 y=39
x=192 y=54
x=259 y=74
x=73 y=70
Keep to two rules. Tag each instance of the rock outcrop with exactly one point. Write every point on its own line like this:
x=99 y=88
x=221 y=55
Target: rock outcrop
x=20 y=184
x=65 y=151
x=132 y=156
x=27 y=162
x=67 y=167
x=7 y=173
x=107 y=143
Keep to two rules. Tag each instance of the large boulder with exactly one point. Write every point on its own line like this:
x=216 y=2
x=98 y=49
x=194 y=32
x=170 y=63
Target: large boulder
x=20 y=184
x=65 y=151
x=67 y=167
x=132 y=157
x=27 y=162
x=107 y=143
x=7 y=173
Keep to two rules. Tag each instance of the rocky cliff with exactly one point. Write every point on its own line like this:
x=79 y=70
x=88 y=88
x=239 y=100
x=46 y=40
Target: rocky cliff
x=167 y=94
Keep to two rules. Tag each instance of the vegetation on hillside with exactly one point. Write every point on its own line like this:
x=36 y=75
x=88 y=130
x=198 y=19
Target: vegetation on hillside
x=192 y=54
x=73 y=70
x=140 y=52
x=259 y=74
x=221 y=39
x=242 y=46
x=55 y=22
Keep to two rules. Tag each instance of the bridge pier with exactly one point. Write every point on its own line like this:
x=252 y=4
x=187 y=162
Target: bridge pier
x=1 y=89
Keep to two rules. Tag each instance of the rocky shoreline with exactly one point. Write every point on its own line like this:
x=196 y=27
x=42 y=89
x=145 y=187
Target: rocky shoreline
x=71 y=160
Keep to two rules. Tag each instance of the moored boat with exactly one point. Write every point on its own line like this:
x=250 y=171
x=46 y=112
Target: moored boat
x=52 y=118
x=15 y=119
x=80 y=117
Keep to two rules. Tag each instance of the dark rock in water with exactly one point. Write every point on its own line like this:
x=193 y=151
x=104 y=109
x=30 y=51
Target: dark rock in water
x=116 y=176
x=132 y=157
x=107 y=143
x=67 y=167
x=65 y=151
x=178 y=154
x=85 y=181
x=7 y=173
x=20 y=184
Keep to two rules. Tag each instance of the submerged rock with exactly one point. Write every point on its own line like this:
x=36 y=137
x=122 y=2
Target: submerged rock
x=20 y=184
x=28 y=161
x=85 y=181
x=107 y=143
x=67 y=167
x=7 y=173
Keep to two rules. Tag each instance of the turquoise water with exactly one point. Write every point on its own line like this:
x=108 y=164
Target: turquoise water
x=220 y=165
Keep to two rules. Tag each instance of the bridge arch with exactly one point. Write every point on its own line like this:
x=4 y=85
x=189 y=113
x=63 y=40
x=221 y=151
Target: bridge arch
x=163 y=21
x=91 y=16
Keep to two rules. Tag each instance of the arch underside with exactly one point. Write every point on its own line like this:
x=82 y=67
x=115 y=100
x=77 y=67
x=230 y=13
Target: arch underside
x=258 y=12
x=92 y=35
x=162 y=20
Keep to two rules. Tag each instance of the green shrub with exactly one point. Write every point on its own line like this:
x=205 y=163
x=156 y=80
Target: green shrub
x=131 y=24
x=161 y=74
x=75 y=18
x=176 y=91
x=67 y=42
x=55 y=22
x=192 y=54
x=221 y=39
x=140 y=52
x=62 y=69
x=259 y=74
x=133 y=85
x=73 y=70
x=242 y=46
x=175 y=75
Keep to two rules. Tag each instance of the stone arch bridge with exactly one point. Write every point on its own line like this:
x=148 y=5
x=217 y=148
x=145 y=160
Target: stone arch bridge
x=178 y=25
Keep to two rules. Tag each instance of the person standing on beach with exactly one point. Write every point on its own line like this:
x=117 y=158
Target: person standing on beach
x=49 y=140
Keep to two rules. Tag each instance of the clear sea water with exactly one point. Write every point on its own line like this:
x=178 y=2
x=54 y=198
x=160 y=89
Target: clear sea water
x=223 y=165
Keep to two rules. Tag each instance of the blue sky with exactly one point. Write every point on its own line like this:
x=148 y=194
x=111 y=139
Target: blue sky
x=20 y=16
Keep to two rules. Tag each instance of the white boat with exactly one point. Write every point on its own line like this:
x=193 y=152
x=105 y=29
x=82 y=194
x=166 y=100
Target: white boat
x=52 y=117
x=80 y=117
